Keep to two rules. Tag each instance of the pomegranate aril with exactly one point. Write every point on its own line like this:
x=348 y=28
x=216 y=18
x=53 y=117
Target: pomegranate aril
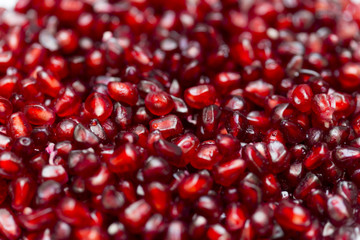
x=339 y=210
x=73 y=212
x=292 y=216
x=112 y=200
x=99 y=106
x=237 y=124
x=228 y=172
x=48 y=192
x=350 y=76
x=10 y=165
x=169 y=126
x=37 y=219
x=206 y=157
x=293 y=132
x=84 y=137
x=301 y=97
x=97 y=182
x=158 y=196
x=38 y=114
x=200 y=96
x=194 y=186
x=257 y=91
x=18 y=125
x=83 y=163
x=208 y=124
x=170 y=151
x=21 y=192
x=217 y=231
x=6 y=109
x=49 y=84
x=306 y=185
x=125 y=159
x=136 y=215
x=68 y=103
x=159 y=103
x=317 y=155
x=188 y=144
x=122 y=115
x=123 y=92
x=236 y=216
x=54 y=172
x=8 y=224
x=262 y=220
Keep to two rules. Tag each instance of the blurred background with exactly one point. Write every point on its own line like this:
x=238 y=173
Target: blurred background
x=7 y=3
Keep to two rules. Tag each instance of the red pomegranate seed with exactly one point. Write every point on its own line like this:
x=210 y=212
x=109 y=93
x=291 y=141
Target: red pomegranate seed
x=194 y=186
x=123 y=92
x=228 y=172
x=339 y=210
x=38 y=114
x=8 y=225
x=125 y=159
x=18 y=125
x=301 y=97
x=21 y=192
x=99 y=106
x=200 y=96
x=136 y=215
x=49 y=84
x=73 y=212
x=38 y=219
x=169 y=126
x=206 y=156
x=292 y=216
x=235 y=217
x=159 y=103
x=11 y=165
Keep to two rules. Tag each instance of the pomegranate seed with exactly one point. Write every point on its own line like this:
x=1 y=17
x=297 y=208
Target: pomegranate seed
x=136 y=215
x=99 y=106
x=5 y=109
x=84 y=136
x=200 y=96
x=37 y=219
x=8 y=226
x=194 y=186
x=350 y=75
x=338 y=210
x=169 y=126
x=73 y=212
x=48 y=192
x=125 y=159
x=21 y=192
x=49 y=84
x=261 y=220
x=292 y=216
x=123 y=92
x=228 y=172
x=206 y=156
x=235 y=217
x=301 y=97
x=159 y=103
x=38 y=114
x=11 y=165
x=18 y=125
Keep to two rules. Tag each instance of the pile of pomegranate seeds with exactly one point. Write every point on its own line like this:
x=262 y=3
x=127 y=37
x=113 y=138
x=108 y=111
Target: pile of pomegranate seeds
x=180 y=119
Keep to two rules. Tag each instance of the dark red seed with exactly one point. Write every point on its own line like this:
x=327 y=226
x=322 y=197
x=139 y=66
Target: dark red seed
x=292 y=216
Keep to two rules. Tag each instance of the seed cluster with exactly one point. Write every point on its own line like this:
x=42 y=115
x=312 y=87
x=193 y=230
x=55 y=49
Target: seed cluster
x=180 y=119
